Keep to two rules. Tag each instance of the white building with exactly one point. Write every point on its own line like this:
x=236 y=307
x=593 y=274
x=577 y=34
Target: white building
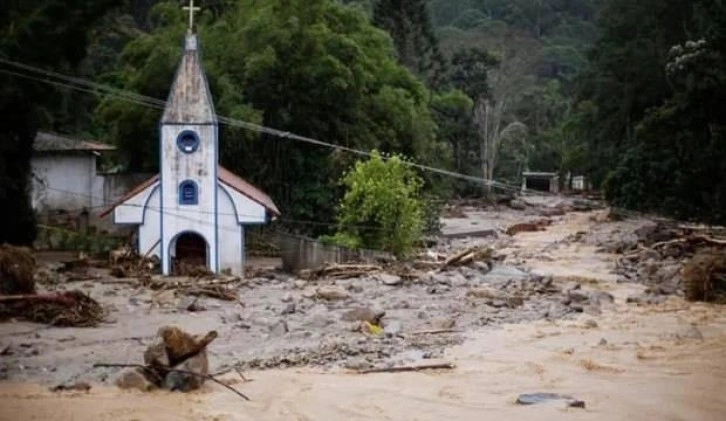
x=63 y=173
x=194 y=210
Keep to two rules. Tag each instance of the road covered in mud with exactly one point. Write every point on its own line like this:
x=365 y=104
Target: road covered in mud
x=556 y=310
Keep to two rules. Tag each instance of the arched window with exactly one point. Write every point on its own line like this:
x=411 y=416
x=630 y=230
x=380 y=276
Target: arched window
x=188 y=193
x=187 y=141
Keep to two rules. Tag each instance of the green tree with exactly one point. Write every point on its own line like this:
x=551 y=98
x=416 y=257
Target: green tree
x=382 y=208
x=47 y=34
x=409 y=23
x=315 y=68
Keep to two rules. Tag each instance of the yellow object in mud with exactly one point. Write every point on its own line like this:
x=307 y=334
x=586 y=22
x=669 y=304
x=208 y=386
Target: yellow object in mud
x=373 y=329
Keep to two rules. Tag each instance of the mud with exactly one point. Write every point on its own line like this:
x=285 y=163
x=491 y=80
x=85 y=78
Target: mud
x=573 y=333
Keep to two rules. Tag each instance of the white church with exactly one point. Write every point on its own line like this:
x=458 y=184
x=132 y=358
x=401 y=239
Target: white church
x=194 y=210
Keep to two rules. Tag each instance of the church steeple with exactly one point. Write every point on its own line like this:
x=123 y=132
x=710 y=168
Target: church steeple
x=190 y=101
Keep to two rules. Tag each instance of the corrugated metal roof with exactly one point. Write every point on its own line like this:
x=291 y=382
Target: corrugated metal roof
x=54 y=142
x=189 y=99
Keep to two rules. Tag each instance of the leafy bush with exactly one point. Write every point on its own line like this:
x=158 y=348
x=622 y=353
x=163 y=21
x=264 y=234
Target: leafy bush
x=382 y=208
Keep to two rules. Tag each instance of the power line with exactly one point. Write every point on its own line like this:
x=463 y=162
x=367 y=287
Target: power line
x=89 y=86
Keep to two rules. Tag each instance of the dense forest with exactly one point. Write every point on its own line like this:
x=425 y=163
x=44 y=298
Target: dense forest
x=627 y=93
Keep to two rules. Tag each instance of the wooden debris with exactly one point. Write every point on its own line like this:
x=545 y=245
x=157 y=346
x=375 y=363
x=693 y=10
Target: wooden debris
x=533 y=226
x=402 y=369
x=436 y=331
x=467 y=256
x=212 y=292
x=70 y=308
x=338 y=271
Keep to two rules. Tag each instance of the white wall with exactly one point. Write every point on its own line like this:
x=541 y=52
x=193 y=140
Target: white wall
x=231 y=237
x=63 y=181
x=149 y=232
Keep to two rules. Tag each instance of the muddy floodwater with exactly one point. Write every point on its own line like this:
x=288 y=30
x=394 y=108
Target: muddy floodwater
x=626 y=361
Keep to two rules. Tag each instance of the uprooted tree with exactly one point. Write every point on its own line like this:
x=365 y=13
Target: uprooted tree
x=381 y=208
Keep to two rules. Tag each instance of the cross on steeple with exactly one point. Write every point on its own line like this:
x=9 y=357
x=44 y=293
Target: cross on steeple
x=191 y=10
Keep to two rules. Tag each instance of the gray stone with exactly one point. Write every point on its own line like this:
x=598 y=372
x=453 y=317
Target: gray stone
x=300 y=284
x=689 y=332
x=331 y=293
x=279 y=329
x=319 y=317
x=601 y=297
x=134 y=379
x=518 y=204
x=590 y=324
x=500 y=274
x=289 y=309
x=287 y=298
x=390 y=280
x=364 y=314
x=392 y=328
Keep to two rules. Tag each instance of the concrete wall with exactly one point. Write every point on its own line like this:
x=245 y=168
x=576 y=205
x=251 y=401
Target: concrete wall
x=299 y=253
x=63 y=182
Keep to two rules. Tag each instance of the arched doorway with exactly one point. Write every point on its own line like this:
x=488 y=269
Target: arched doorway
x=189 y=250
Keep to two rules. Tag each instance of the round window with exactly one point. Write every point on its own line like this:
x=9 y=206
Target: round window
x=188 y=141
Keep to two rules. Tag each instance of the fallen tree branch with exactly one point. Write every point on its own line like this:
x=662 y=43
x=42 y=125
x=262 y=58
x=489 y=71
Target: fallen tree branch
x=440 y=366
x=174 y=370
x=436 y=331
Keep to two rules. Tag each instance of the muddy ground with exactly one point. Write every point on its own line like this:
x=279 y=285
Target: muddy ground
x=553 y=314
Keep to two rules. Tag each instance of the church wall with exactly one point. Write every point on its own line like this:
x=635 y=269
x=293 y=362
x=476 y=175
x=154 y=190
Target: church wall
x=231 y=247
x=248 y=211
x=148 y=241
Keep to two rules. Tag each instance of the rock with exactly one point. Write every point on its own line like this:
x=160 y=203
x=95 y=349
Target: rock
x=361 y=314
x=184 y=382
x=289 y=309
x=299 y=284
x=287 y=298
x=446 y=323
x=482 y=267
x=483 y=292
x=390 y=280
x=600 y=297
x=602 y=342
x=231 y=317
x=592 y=310
x=689 y=332
x=134 y=379
x=165 y=298
x=535 y=398
x=331 y=293
x=392 y=328
x=319 y=317
x=501 y=274
x=190 y=304
x=552 y=212
x=577 y=296
x=590 y=324
x=518 y=204
x=279 y=329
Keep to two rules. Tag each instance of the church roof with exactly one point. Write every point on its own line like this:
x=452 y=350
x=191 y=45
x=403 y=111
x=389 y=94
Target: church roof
x=224 y=175
x=247 y=189
x=190 y=100
x=54 y=142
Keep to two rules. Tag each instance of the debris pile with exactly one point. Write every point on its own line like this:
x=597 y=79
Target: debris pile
x=177 y=361
x=338 y=271
x=672 y=261
x=70 y=308
x=704 y=276
x=17 y=266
